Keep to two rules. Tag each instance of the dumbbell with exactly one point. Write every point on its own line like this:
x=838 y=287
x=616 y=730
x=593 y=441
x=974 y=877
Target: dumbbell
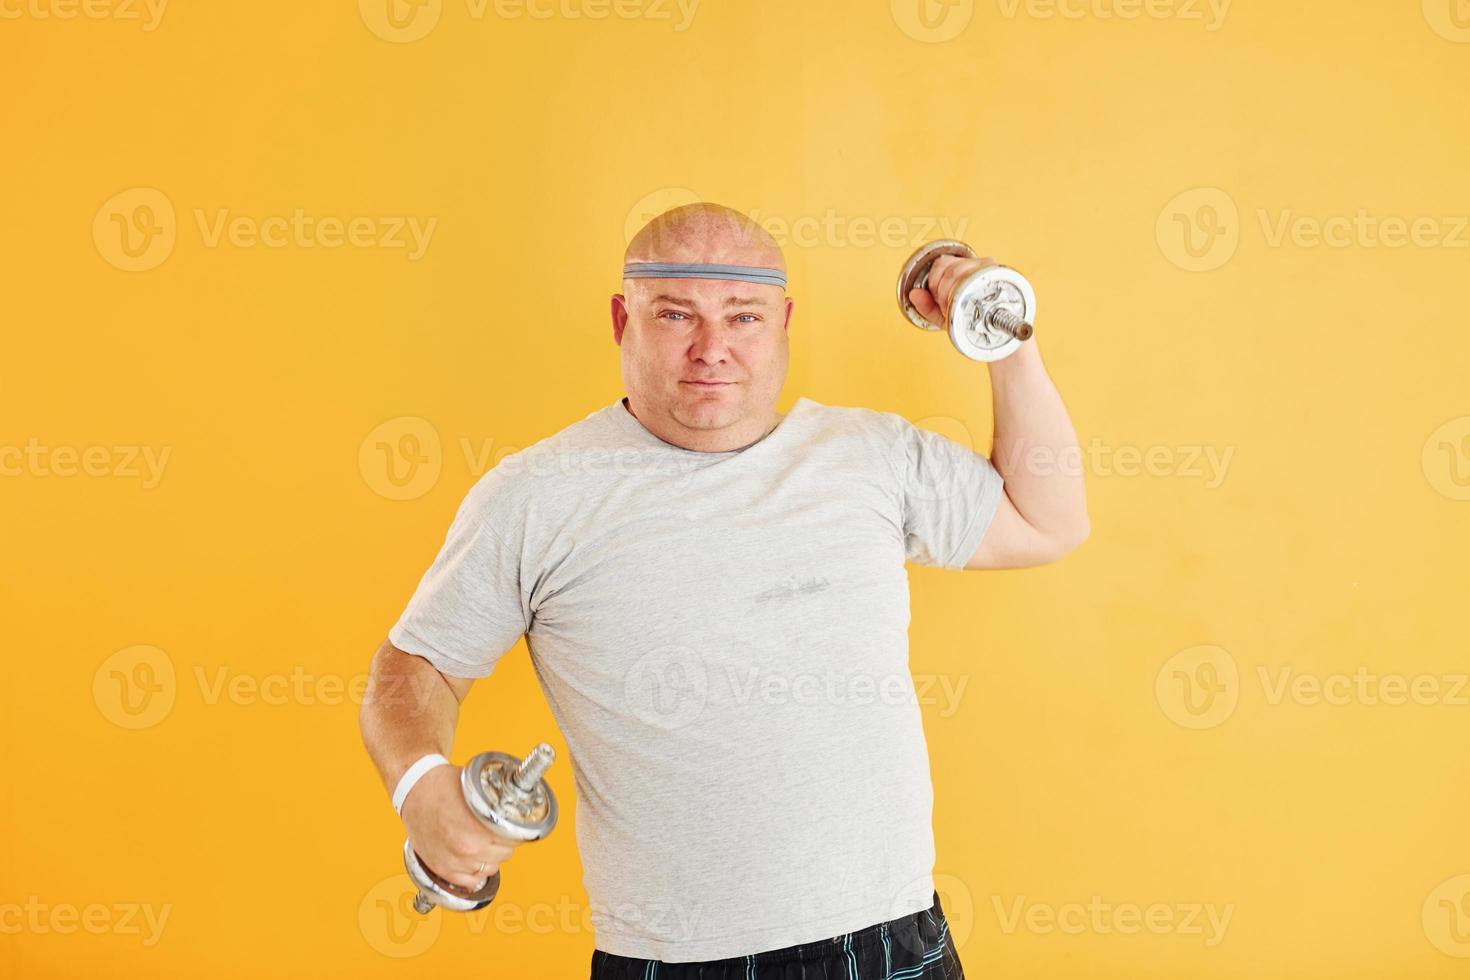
x=991 y=311
x=509 y=797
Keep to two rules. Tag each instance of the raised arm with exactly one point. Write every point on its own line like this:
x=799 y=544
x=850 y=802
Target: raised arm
x=1042 y=514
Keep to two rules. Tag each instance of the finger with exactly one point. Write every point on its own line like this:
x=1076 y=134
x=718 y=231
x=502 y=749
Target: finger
x=469 y=880
x=458 y=877
x=945 y=276
x=923 y=301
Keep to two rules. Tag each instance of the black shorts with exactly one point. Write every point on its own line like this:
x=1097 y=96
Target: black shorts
x=913 y=947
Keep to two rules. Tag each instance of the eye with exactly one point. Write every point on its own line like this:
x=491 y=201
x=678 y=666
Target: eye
x=671 y=313
x=748 y=317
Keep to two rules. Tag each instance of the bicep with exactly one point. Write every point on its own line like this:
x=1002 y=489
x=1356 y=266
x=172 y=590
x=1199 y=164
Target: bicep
x=416 y=672
x=1011 y=542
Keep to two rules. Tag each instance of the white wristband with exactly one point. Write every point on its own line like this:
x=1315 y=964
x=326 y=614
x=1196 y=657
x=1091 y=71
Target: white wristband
x=414 y=774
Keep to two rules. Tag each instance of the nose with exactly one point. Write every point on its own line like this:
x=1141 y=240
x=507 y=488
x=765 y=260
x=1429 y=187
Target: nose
x=709 y=344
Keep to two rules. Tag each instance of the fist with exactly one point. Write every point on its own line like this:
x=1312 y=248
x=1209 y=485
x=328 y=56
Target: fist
x=945 y=275
x=447 y=836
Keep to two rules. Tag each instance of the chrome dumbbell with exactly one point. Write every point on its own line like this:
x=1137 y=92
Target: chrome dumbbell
x=991 y=312
x=508 y=796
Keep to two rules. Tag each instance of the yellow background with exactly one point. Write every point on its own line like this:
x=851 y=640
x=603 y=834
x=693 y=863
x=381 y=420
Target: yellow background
x=270 y=553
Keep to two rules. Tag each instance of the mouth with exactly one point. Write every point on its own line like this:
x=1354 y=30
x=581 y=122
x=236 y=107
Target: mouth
x=707 y=384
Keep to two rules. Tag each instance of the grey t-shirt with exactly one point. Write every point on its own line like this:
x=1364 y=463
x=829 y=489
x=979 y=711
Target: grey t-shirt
x=723 y=639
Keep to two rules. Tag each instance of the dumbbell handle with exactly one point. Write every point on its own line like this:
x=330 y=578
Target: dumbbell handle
x=1008 y=323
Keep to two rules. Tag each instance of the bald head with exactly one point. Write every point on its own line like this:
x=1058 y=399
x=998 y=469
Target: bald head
x=703 y=359
x=705 y=233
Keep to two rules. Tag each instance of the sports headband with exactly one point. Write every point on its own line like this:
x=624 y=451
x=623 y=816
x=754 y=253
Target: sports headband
x=684 y=270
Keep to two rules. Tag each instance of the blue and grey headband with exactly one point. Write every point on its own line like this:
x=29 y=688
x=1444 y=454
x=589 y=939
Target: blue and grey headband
x=683 y=270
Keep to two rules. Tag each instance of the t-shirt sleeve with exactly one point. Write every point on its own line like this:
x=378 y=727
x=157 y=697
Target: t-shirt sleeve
x=469 y=608
x=950 y=493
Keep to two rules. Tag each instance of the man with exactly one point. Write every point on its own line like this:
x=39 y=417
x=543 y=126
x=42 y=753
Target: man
x=716 y=605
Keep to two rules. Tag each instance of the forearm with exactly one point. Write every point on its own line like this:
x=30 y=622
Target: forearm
x=1035 y=447
x=408 y=711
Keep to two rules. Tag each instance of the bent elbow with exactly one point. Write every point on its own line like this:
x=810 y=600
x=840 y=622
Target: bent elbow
x=1073 y=539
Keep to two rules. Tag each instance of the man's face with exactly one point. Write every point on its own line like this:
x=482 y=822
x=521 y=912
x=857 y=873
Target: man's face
x=676 y=333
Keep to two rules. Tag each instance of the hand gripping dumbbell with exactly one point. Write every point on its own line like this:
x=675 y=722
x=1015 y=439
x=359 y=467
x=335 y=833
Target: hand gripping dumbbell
x=509 y=797
x=991 y=311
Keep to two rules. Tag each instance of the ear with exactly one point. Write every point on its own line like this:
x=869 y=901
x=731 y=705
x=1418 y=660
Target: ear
x=619 y=317
x=790 y=303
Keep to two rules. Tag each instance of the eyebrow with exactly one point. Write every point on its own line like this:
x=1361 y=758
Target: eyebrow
x=730 y=301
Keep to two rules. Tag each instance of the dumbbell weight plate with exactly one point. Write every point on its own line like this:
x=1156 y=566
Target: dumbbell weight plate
x=915 y=275
x=434 y=890
x=992 y=287
x=503 y=808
